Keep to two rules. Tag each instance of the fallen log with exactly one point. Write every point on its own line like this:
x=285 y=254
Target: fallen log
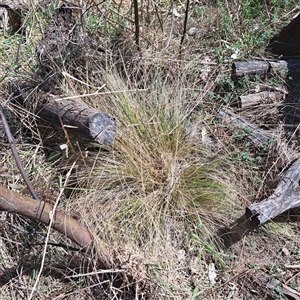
x=240 y=69
x=90 y=123
x=285 y=197
x=57 y=49
x=258 y=98
x=258 y=136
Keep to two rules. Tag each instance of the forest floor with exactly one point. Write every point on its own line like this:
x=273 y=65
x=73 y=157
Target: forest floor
x=167 y=197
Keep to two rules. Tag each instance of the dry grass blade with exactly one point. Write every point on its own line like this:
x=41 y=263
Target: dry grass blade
x=52 y=216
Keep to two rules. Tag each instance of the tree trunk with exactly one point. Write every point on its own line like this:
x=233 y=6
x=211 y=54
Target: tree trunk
x=285 y=196
x=78 y=117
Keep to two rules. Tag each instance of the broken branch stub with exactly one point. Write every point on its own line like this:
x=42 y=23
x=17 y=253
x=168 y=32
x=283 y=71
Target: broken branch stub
x=78 y=117
x=285 y=197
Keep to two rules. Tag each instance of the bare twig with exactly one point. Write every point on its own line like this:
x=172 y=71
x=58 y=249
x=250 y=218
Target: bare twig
x=184 y=26
x=52 y=215
x=16 y=155
x=136 y=24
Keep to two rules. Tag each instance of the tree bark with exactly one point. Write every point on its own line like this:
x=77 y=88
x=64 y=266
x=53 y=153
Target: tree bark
x=78 y=117
x=241 y=69
x=258 y=136
x=285 y=196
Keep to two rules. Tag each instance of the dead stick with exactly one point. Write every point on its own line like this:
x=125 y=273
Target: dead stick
x=16 y=155
x=41 y=211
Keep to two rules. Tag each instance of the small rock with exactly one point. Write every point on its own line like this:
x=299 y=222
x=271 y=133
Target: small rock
x=212 y=273
x=192 y=31
x=176 y=13
x=285 y=251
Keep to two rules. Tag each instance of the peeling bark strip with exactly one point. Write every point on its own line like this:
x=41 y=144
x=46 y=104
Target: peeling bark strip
x=78 y=117
x=285 y=196
x=258 y=136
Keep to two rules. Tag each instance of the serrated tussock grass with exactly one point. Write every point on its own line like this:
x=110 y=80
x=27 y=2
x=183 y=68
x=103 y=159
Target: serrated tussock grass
x=155 y=183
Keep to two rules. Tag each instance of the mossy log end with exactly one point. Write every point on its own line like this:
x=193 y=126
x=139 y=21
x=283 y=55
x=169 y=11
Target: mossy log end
x=285 y=197
x=90 y=123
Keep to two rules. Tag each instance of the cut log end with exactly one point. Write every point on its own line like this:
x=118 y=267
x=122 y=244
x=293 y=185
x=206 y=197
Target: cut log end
x=102 y=128
x=92 y=124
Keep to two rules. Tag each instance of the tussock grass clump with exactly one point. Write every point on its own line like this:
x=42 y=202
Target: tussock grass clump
x=155 y=186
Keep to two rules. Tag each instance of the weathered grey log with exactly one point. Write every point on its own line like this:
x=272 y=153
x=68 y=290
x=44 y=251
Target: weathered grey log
x=78 y=117
x=285 y=196
x=258 y=136
x=258 y=98
x=240 y=69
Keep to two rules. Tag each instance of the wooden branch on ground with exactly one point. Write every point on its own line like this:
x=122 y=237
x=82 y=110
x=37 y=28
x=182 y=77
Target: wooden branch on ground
x=14 y=151
x=240 y=69
x=258 y=98
x=285 y=196
x=78 y=117
x=41 y=211
x=272 y=286
x=258 y=136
